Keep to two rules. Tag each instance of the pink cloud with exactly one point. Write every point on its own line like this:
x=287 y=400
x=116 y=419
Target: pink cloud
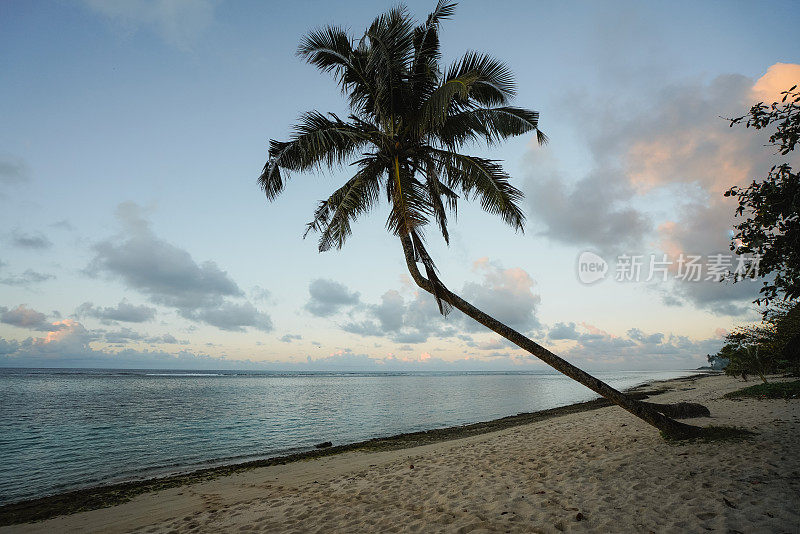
x=691 y=143
x=515 y=279
x=64 y=330
x=779 y=77
x=593 y=329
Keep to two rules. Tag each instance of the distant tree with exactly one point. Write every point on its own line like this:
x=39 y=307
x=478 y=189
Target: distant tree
x=771 y=206
x=717 y=362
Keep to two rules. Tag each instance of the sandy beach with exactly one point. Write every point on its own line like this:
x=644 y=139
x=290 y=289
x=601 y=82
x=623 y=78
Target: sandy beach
x=596 y=471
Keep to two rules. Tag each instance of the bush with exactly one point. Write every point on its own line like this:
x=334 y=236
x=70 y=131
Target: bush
x=772 y=346
x=775 y=390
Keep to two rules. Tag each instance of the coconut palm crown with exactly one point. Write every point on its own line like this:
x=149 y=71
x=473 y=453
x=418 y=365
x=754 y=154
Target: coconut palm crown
x=409 y=117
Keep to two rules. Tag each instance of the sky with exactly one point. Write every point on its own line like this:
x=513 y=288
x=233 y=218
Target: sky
x=133 y=232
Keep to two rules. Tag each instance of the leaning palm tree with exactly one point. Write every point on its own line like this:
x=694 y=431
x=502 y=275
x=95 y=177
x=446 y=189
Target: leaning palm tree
x=408 y=119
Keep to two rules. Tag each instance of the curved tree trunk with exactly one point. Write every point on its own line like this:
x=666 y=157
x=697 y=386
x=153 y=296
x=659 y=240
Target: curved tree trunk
x=669 y=426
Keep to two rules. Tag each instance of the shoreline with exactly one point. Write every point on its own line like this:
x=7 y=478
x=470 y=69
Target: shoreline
x=103 y=496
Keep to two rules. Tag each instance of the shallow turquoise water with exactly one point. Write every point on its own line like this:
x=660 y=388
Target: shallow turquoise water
x=64 y=429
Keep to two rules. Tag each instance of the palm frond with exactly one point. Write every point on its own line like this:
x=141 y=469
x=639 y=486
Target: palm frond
x=390 y=52
x=438 y=106
x=436 y=190
x=330 y=50
x=491 y=125
x=327 y=48
x=409 y=209
x=494 y=85
x=424 y=72
x=333 y=216
x=421 y=255
x=316 y=140
x=485 y=180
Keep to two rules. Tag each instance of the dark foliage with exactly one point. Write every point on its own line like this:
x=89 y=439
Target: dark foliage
x=774 y=390
x=772 y=346
x=771 y=206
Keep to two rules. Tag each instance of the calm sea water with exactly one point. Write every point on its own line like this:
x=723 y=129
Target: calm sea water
x=65 y=429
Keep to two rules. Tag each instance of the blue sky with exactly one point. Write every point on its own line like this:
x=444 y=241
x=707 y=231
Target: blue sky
x=134 y=233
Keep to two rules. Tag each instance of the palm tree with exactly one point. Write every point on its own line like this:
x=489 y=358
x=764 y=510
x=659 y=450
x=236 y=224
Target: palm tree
x=408 y=119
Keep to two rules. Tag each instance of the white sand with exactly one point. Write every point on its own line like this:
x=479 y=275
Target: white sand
x=605 y=464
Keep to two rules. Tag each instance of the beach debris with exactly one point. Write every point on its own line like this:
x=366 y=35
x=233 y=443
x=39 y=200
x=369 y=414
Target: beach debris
x=411 y=466
x=579 y=517
x=323 y=445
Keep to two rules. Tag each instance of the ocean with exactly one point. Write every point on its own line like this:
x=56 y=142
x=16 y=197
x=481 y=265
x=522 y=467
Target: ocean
x=63 y=429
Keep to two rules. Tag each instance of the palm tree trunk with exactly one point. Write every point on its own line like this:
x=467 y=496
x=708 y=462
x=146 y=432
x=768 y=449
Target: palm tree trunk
x=668 y=426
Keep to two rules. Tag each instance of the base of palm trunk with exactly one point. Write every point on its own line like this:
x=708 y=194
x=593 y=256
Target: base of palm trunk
x=681 y=431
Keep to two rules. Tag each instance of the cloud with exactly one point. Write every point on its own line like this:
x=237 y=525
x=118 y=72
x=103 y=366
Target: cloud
x=592 y=347
x=179 y=22
x=493 y=344
x=160 y=270
x=592 y=212
x=657 y=176
x=167 y=339
x=288 y=338
x=121 y=336
x=24 y=317
x=35 y=240
x=8 y=346
x=12 y=172
x=563 y=331
x=232 y=316
x=260 y=294
x=347 y=360
x=641 y=337
x=779 y=77
x=125 y=335
x=169 y=276
x=403 y=321
x=69 y=345
x=124 y=311
x=63 y=224
x=26 y=278
x=328 y=297
x=506 y=294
